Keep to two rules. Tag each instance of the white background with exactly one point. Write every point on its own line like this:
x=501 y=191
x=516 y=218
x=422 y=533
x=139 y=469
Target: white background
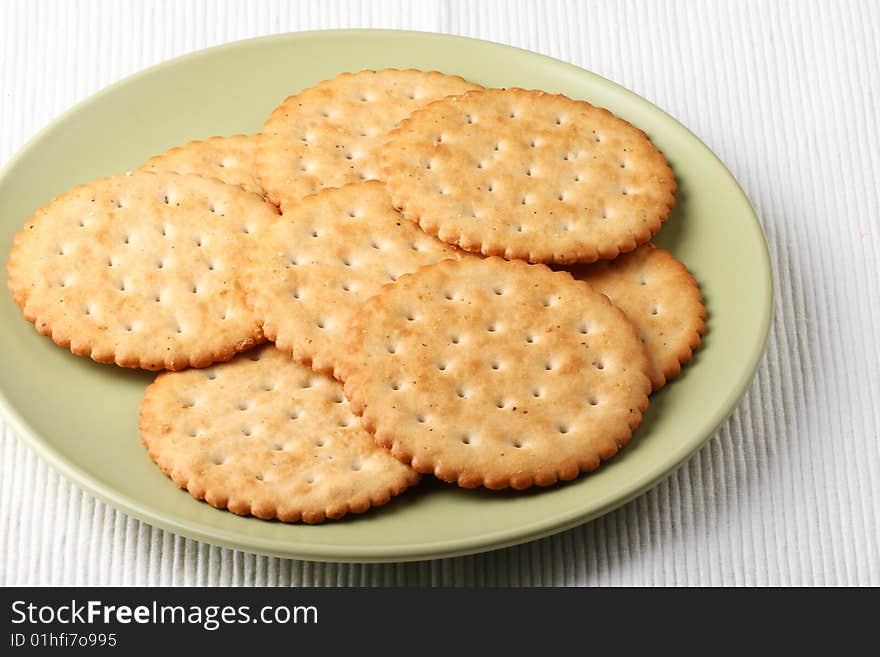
x=786 y=93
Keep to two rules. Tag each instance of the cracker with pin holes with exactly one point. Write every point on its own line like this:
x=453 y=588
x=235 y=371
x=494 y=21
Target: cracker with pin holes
x=660 y=297
x=495 y=373
x=329 y=135
x=142 y=270
x=313 y=270
x=229 y=159
x=262 y=435
x=528 y=175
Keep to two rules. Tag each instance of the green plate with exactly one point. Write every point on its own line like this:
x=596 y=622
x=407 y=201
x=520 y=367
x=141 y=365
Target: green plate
x=82 y=417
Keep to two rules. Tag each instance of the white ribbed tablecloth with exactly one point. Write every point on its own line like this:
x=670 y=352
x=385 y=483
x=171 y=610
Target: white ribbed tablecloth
x=786 y=93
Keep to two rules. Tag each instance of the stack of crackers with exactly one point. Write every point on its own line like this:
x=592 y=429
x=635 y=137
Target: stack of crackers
x=403 y=273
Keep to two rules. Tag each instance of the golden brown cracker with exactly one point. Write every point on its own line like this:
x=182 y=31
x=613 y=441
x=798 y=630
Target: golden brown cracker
x=229 y=159
x=495 y=373
x=529 y=175
x=311 y=272
x=329 y=135
x=142 y=269
x=660 y=297
x=264 y=436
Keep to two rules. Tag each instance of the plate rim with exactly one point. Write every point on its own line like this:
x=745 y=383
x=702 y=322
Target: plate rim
x=385 y=553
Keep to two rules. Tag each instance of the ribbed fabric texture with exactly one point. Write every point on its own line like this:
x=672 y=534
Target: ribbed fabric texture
x=786 y=93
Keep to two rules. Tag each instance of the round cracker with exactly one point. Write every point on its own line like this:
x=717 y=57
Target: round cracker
x=142 y=269
x=529 y=175
x=329 y=135
x=661 y=298
x=264 y=436
x=314 y=269
x=495 y=373
x=229 y=159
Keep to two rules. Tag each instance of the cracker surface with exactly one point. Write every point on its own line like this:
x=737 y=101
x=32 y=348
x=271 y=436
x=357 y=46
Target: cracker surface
x=229 y=159
x=264 y=436
x=329 y=135
x=495 y=373
x=313 y=270
x=142 y=270
x=528 y=175
x=660 y=297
